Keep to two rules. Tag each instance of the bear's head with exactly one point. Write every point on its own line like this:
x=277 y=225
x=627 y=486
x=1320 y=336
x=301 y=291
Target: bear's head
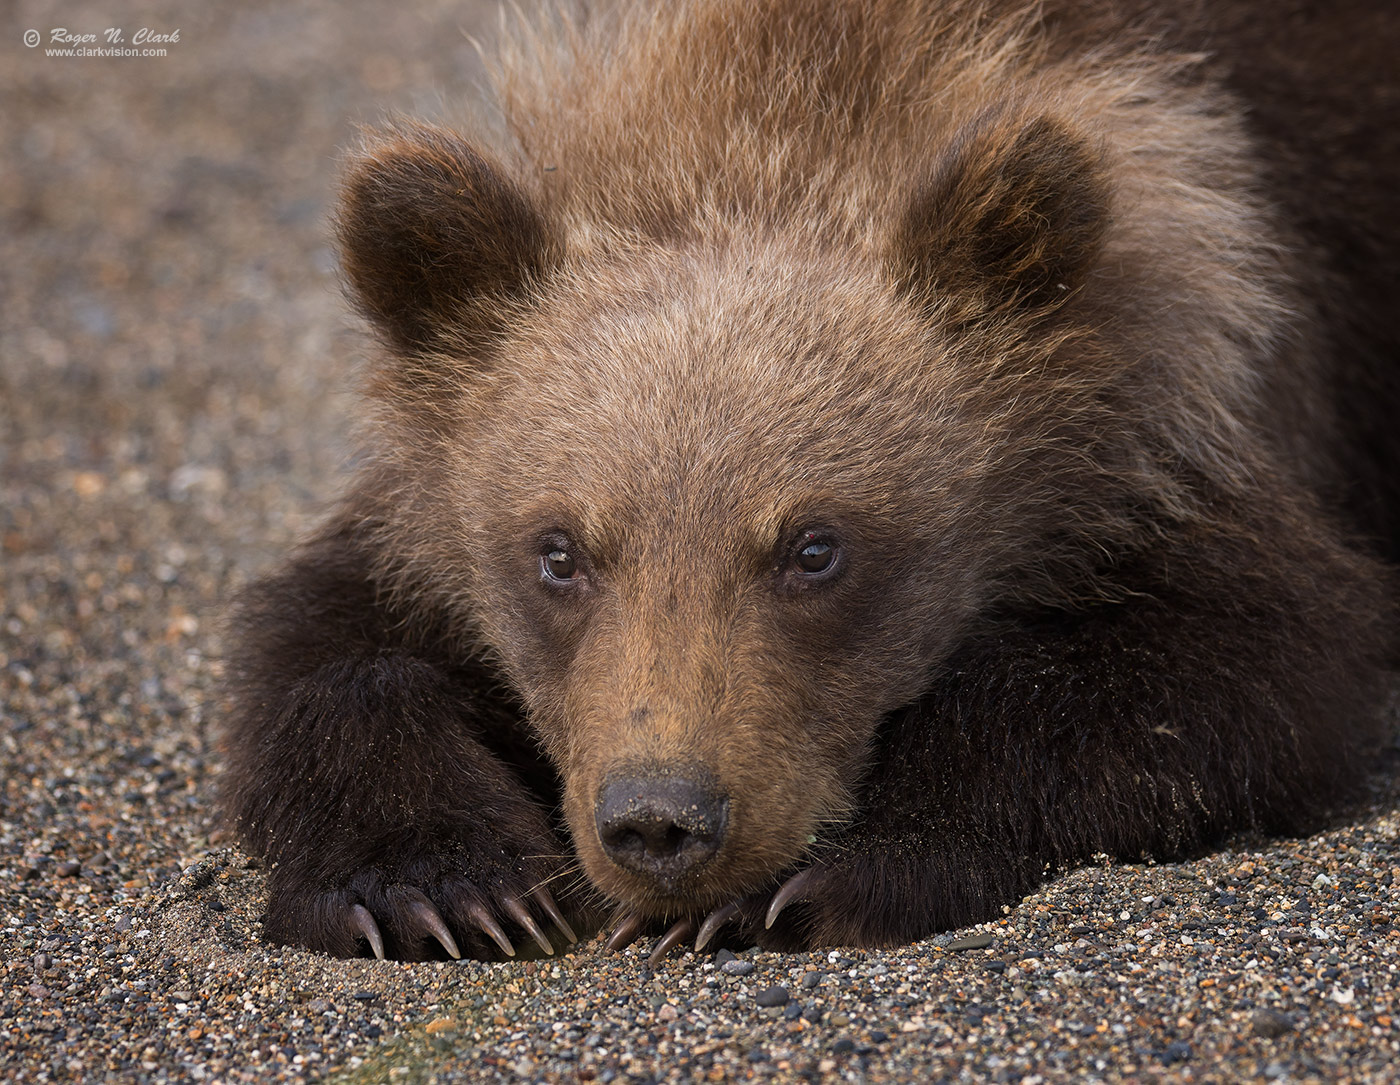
x=721 y=498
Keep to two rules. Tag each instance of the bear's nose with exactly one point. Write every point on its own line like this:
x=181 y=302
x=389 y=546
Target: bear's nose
x=660 y=824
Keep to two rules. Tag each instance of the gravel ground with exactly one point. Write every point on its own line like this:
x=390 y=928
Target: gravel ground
x=174 y=366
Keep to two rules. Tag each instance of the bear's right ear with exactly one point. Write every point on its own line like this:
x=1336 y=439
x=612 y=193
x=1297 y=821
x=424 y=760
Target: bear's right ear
x=430 y=231
x=1009 y=222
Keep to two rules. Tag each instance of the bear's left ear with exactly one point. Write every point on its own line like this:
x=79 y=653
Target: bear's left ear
x=431 y=232
x=1008 y=222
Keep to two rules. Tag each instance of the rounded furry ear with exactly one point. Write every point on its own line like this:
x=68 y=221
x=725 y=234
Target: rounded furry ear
x=430 y=229
x=1009 y=221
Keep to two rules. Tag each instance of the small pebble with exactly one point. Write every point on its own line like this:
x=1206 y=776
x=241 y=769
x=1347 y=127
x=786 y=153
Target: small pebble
x=1271 y=1023
x=772 y=996
x=737 y=968
x=972 y=941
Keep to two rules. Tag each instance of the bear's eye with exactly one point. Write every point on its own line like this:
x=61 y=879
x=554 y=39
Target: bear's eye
x=558 y=564
x=816 y=557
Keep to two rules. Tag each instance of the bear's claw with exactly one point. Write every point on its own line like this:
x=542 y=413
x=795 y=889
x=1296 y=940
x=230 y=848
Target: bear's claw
x=517 y=912
x=714 y=921
x=541 y=897
x=360 y=919
x=478 y=914
x=795 y=888
x=626 y=931
x=421 y=909
x=680 y=930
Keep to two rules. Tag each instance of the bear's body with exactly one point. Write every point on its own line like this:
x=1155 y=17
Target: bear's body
x=845 y=459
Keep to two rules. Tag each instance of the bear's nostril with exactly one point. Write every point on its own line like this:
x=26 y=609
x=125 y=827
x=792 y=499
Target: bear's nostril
x=618 y=840
x=660 y=824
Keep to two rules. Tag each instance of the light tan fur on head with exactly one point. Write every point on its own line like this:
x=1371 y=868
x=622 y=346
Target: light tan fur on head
x=740 y=272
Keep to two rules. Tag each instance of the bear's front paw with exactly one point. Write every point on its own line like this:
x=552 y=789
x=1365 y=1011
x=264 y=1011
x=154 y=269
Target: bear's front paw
x=874 y=897
x=410 y=911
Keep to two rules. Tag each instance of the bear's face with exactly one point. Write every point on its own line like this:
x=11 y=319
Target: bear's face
x=691 y=562
x=719 y=501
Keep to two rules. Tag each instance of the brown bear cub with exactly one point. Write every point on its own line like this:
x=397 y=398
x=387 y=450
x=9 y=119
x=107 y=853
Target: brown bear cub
x=834 y=462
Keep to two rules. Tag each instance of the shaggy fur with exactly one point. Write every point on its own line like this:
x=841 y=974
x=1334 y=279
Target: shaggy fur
x=1066 y=330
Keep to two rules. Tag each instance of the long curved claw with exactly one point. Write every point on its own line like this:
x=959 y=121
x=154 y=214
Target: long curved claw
x=625 y=933
x=540 y=895
x=421 y=908
x=363 y=922
x=794 y=888
x=713 y=922
x=518 y=913
x=679 y=932
x=483 y=919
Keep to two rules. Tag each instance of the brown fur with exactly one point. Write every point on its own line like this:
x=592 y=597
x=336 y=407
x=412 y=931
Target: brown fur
x=997 y=298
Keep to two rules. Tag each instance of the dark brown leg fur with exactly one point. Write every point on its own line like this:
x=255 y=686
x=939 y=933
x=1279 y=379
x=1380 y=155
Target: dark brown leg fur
x=373 y=766
x=1235 y=689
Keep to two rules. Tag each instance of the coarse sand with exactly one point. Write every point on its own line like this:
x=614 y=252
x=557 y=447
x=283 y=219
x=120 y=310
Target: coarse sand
x=175 y=368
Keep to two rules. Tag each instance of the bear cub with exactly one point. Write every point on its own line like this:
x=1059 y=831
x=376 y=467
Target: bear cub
x=831 y=463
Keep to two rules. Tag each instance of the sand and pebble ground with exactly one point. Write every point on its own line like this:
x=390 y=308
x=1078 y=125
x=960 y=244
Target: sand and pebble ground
x=175 y=361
